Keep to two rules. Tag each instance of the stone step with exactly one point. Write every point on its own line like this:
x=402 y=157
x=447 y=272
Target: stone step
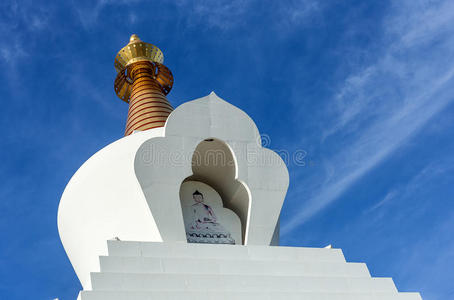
x=213 y=295
x=240 y=283
x=235 y=252
x=142 y=264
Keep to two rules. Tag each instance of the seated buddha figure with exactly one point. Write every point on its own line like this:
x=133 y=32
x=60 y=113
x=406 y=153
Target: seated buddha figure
x=204 y=227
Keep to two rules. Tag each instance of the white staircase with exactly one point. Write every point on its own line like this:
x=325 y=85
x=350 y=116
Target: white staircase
x=177 y=271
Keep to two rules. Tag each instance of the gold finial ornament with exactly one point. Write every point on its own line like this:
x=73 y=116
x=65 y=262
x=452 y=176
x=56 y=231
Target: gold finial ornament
x=143 y=81
x=134 y=38
x=136 y=50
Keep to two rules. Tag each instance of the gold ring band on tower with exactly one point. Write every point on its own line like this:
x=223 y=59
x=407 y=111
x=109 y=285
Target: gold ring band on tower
x=143 y=82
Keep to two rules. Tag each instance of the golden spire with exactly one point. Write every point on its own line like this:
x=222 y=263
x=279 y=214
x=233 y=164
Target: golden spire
x=143 y=81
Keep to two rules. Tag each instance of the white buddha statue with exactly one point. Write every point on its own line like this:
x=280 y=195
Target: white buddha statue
x=204 y=227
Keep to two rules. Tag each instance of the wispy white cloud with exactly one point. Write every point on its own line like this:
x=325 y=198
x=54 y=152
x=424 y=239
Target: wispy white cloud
x=12 y=52
x=423 y=21
x=222 y=14
x=21 y=25
x=88 y=15
x=409 y=233
x=438 y=251
x=420 y=181
x=389 y=196
x=132 y=18
x=233 y=14
x=295 y=13
x=351 y=100
x=14 y=49
x=386 y=103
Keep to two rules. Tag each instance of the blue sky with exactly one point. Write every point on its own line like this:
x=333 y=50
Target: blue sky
x=365 y=88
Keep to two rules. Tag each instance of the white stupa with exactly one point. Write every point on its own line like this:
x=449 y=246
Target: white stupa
x=187 y=205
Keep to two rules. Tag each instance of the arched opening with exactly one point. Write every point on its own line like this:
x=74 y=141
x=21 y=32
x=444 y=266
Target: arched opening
x=214 y=170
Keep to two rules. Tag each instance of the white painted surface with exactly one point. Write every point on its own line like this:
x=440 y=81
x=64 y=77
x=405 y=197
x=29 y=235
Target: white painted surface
x=131 y=190
x=292 y=254
x=260 y=176
x=105 y=197
x=103 y=200
x=234 y=295
x=242 y=283
x=162 y=271
x=202 y=265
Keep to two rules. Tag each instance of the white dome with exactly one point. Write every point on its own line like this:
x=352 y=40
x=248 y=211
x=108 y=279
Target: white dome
x=103 y=200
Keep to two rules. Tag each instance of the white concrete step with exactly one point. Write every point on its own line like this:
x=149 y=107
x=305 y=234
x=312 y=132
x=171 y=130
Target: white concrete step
x=241 y=283
x=142 y=264
x=210 y=295
x=237 y=252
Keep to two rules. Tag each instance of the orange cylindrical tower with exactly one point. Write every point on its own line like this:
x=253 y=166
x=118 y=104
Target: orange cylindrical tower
x=143 y=82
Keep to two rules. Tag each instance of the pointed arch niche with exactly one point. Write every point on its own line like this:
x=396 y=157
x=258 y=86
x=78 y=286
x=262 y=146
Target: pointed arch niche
x=214 y=164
